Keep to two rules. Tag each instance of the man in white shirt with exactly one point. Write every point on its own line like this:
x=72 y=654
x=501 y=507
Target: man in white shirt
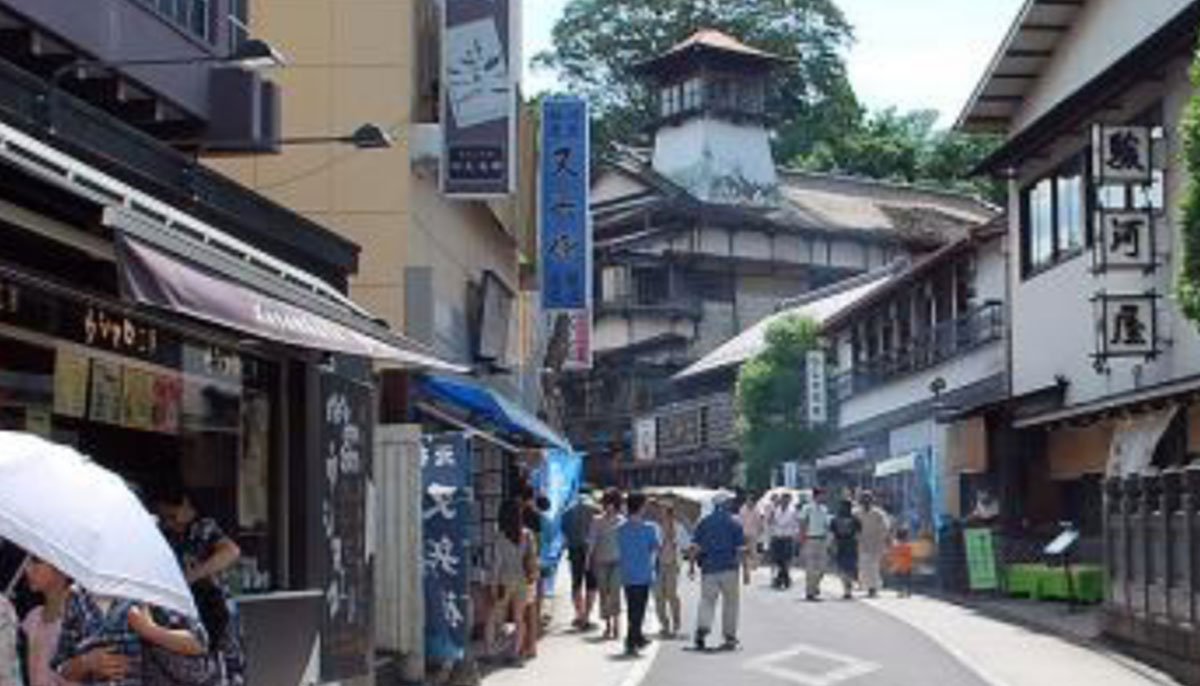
x=814 y=532
x=783 y=527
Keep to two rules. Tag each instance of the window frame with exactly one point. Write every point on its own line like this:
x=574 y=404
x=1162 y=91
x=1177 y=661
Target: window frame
x=1061 y=252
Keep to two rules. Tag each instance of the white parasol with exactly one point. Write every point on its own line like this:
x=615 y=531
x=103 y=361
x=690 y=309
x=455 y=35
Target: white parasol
x=84 y=520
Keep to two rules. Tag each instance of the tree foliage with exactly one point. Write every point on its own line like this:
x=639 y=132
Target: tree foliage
x=597 y=41
x=1187 y=289
x=770 y=399
x=906 y=146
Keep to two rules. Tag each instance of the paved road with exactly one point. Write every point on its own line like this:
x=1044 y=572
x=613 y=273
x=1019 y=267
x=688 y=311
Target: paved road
x=789 y=642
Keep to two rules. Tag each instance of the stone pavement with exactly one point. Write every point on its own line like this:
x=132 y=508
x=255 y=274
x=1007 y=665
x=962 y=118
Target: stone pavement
x=570 y=658
x=1008 y=654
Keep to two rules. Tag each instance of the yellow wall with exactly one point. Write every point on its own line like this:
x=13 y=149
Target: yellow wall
x=351 y=62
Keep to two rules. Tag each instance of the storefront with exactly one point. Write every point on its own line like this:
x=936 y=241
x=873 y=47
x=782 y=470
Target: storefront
x=173 y=353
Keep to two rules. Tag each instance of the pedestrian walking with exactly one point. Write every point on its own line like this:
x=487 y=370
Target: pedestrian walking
x=513 y=567
x=783 y=529
x=814 y=531
x=604 y=559
x=846 y=528
x=639 y=542
x=577 y=524
x=10 y=665
x=42 y=625
x=873 y=541
x=673 y=543
x=205 y=553
x=719 y=547
x=752 y=528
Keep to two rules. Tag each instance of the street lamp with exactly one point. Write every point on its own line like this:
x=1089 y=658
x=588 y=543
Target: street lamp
x=368 y=136
x=252 y=53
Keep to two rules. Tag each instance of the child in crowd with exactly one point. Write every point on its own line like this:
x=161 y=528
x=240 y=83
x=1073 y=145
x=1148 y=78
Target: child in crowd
x=902 y=562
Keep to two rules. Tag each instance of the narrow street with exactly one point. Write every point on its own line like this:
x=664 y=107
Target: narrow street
x=786 y=640
x=917 y=641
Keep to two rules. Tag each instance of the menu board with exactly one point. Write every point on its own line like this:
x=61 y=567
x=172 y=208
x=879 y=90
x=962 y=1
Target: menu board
x=105 y=405
x=70 y=384
x=345 y=449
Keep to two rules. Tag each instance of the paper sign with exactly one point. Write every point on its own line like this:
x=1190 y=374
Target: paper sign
x=70 y=384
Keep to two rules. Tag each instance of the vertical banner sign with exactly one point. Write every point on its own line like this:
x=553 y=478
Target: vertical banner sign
x=479 y=98
x=564 y=235
x=559 y=479
x=346 y=511
x=579 y=340
x=445 y=476
x=817 y=397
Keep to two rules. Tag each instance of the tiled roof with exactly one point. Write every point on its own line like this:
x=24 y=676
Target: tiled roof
x=717 y=40
x=819 y=306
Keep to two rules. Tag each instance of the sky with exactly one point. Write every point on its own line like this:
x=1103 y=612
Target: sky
x=908 y=54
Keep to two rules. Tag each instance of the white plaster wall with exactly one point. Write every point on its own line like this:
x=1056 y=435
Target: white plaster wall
x=1053 y=323
x=979 y=364
x=723 y=147
x=990 y=271
x=1103 y=32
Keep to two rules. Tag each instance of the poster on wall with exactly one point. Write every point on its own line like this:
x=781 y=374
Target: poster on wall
x=480 y=73
x=105 y=403
x=446 y=508
x=645 y=448
x=345 y=449
x=137 y=399
x=168 y=402
x=70 y=383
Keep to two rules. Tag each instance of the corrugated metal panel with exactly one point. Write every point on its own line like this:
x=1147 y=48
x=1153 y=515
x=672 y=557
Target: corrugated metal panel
x=399 y=601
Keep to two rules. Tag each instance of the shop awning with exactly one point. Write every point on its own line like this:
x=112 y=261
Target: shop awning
x=1135 y=440
x=152 y=277
x=896 y=465
x=482 y=402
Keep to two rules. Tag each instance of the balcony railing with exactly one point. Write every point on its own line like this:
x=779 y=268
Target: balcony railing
x=685 y=307
x=939 y=344
x=156 y=168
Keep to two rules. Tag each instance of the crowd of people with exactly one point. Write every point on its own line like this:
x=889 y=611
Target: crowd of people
x=857 y=535
x=627 y=551
x=68 y=636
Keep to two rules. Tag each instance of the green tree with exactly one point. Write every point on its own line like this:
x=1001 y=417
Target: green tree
x=770 y=399
x=596 y=41
x=1187 y=289
x=907 y=146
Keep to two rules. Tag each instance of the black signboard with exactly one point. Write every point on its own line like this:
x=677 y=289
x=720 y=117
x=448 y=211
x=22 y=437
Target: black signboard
x=345 y=449
x=100 y=326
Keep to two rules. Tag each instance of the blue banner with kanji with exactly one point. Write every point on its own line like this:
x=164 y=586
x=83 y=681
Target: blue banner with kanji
x=446 y=509
x=558 y=478
x=564 y=238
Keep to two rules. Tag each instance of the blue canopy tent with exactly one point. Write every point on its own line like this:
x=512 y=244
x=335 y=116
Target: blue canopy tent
x=486 y=406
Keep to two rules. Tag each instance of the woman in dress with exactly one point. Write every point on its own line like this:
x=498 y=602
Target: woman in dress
x=205 y=552
x=846 y=528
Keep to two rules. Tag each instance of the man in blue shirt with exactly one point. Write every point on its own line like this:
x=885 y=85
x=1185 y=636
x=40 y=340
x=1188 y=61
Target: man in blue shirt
x=719 y=546
x=638 y=541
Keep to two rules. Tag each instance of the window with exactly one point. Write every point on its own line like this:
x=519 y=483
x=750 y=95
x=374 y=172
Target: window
x=1055 y=217
x=193 y=16
x=692 y=91
x=672 y=100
